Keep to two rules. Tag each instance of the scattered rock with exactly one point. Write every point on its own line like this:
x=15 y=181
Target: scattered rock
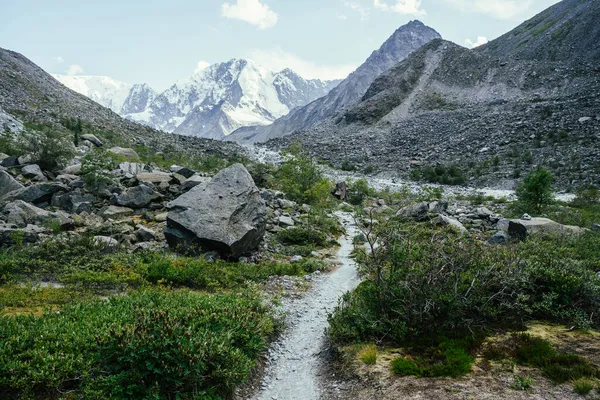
x=91 y=138
x=135 y=197
x=418 y=212
x=499 y=237
x=33 y=172
x=444 y=220
x=21 y=214
x=286 y=221
x=8 y=183
x=124 y=152
x=40 y=194
x=115 y=212
x=154 y=177
x=105 y=241
x=596 y=227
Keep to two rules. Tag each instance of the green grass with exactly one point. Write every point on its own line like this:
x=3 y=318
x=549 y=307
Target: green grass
x=449 y=358
x=86 y=266
x=556 y=366
x=522 y=382
x=583 y=386
x=368 y=354
x=147 y=345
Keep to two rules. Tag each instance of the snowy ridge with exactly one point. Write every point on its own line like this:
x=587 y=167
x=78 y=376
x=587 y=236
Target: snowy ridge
x=212 y=103
x=105 y=91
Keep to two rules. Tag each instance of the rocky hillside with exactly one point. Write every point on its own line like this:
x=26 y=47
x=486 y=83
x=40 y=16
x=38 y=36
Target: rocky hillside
x=566 y=31
x=404 y=41
x=495 y=117
x=33 y=96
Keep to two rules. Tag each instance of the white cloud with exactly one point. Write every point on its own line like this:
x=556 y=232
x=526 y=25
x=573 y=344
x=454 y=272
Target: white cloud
x=75 y=69
x=501 y=9
x=405 y=7
x=481 y=40
x=341 y=17
x=252 y=11
x=278 y=59
x=357 y=7
x=59 y=59
x=201 y=66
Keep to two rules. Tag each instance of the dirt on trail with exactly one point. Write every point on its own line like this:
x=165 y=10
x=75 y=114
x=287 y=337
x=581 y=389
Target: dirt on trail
x=295 y=361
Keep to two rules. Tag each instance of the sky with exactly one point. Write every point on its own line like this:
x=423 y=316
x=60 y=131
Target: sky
x=161 y=42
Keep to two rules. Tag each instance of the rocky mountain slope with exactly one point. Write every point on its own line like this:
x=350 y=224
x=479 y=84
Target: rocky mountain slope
x=33 y=96
x=567 y=31
x=404 y=41
x=493 y=116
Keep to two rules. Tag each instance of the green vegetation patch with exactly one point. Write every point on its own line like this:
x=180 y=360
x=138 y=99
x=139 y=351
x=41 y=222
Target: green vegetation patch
x=147 y=345
x=449 y=358
x=446 y=175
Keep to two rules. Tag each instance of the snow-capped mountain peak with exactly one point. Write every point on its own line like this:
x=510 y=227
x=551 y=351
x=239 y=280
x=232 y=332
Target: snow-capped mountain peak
x=211 y=103
x=106 y=91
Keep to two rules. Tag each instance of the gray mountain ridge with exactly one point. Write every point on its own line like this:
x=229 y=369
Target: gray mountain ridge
x=492 y=112
x=404 y=41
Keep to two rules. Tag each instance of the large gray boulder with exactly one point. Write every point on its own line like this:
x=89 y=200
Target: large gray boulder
x=521 y=229
x=11 y=234
x=226 y=215
x=8 y=183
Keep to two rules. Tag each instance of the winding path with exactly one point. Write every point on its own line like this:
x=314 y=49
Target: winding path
x=294 y=359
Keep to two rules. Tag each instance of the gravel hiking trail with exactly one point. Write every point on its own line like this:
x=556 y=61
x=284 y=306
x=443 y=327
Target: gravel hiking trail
x=295 y=359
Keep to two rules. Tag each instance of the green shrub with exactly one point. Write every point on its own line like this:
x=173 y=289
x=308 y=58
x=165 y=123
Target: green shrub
x=425 y=283
x=535 y=194
x=50 y=148
x=95 y=169
x=522 y=382
x=446 y=175
x=301 y=236
x=147 y=345
x=360 y=191
x=403 y=367
x=583 y=386
x=558 y=367
x=449 y=358
x=301 y=179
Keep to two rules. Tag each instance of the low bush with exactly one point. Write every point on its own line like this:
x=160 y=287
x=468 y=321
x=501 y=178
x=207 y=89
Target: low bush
x=558 y=367
x=449 y=358
x=420 y=282
x=446 y=175
x=535 y=193
x=147 y=345
x=522 y=382
x=302 y=236
x=84 y=265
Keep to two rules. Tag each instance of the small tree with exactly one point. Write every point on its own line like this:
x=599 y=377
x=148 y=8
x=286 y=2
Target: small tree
x=535 y=194
x=95 y=170
x=301 y=178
